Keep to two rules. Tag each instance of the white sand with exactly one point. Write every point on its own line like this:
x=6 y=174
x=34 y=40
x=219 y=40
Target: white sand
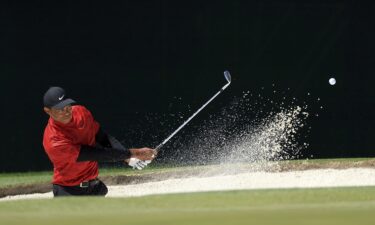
x=254 y=180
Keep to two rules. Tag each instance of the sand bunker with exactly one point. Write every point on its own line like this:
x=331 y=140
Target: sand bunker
x=242 y=181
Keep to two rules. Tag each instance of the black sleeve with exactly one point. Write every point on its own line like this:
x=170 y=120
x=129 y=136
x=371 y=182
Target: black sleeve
x=101 y=138
x=102 y=154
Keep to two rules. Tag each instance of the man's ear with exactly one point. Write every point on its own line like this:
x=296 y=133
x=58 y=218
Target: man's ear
x=47 y=110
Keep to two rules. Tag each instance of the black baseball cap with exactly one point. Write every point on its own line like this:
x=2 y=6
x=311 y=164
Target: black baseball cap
x=55 y=97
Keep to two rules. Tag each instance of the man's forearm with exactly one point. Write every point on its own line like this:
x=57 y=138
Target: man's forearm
x=102 y=154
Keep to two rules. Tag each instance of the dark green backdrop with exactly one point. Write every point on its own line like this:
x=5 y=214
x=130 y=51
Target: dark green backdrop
x=127 y=60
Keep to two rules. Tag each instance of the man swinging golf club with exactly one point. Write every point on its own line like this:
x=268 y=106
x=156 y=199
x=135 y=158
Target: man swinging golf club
x=75 y=143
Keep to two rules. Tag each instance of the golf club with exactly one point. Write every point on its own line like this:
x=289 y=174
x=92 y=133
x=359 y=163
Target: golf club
x=229 y=79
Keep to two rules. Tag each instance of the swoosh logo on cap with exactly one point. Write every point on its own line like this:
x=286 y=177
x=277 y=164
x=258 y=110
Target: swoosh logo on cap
x=60 y=98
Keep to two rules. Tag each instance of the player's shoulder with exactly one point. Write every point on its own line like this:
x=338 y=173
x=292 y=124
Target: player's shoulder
x=80 y=108
x=82 y=111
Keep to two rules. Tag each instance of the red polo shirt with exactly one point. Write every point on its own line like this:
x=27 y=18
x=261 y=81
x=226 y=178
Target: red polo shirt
x=62 y=144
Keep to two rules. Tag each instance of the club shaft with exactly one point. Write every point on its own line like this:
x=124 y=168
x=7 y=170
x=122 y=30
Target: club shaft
x=191 y=117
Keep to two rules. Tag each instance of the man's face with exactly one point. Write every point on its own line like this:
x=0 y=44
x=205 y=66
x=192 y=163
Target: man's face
x=61 y=115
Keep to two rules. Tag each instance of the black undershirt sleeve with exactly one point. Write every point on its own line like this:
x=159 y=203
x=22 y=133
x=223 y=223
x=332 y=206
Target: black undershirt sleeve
x=102 y=154
x=101 y=138
x=107 y=149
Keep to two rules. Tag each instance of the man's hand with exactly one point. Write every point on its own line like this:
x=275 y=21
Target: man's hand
x=143 y=153
x=136 y=163
x=141 y=157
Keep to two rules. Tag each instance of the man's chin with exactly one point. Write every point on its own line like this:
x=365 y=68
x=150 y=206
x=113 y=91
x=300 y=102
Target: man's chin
x=65 y=121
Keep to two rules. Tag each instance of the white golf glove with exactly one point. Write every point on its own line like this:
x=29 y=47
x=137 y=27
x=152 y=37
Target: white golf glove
x=137 y=164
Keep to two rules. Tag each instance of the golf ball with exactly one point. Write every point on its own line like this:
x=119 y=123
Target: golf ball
x=332 y=81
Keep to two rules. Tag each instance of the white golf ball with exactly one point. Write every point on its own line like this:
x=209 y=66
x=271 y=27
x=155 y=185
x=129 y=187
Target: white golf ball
x=332 y=81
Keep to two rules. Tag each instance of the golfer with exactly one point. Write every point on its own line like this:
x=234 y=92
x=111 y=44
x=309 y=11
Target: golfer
x=75 y=143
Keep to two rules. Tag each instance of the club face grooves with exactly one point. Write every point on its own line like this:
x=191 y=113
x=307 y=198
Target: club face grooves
x=227 y=76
